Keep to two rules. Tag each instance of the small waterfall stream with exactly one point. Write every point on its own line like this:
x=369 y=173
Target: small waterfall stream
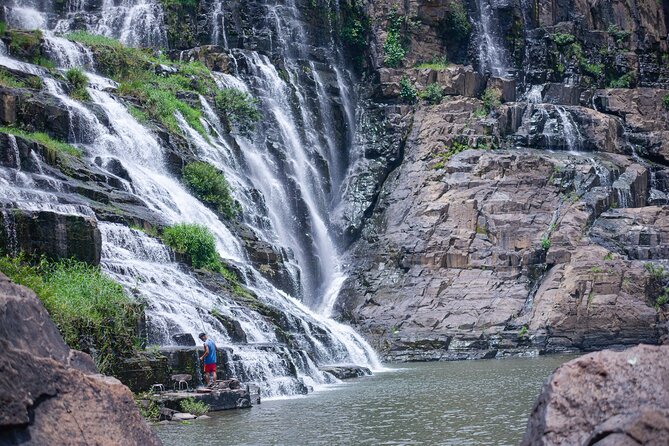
x=284 y=163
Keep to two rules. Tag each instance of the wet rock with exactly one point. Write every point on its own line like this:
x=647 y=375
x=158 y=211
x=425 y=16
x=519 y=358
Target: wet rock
x=183 y=417
x=346 y=371
x=49 y=391
x=184 y=339
x=605 y=398
x=57 y=236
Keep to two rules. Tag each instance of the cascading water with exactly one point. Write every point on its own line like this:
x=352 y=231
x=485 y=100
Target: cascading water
x=492 y=53
x=277 y=176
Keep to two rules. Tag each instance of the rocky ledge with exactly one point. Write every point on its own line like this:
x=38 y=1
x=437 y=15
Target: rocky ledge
x=605 y=398
x=346 y=371
x=47 y=391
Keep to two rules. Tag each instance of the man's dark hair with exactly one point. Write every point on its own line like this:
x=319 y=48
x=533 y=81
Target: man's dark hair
x=201 y=335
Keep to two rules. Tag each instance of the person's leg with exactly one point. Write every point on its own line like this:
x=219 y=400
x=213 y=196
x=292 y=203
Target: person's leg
x=206 y=376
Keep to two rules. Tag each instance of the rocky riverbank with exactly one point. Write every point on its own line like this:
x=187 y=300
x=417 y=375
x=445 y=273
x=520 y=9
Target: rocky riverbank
x=605 y=398
x=48 y=392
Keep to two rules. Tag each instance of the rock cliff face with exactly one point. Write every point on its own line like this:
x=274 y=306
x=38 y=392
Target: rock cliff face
x=605 y=398
x=50 y=394
x=534 y=225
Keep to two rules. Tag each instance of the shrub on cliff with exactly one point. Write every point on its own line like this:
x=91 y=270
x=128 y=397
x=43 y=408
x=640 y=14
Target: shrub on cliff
x=195 y=241
x=433 y=93
x=78 y=82
x=393 y=48
x=92 y=312
x=45 y=140
x=354 y=28
x=455 y=25
x=210 y=186
x=408 y=92
x=492 y=98
x=240 y=108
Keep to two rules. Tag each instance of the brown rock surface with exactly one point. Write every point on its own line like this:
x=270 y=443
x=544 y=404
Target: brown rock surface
x=605 y=398
x=51 y=395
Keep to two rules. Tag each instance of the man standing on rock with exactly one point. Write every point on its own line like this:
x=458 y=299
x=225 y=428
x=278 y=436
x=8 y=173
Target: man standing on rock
x=209 y=360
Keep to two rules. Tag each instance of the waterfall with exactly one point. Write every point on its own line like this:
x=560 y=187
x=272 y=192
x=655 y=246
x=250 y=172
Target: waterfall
x=492 y=53
x=572 y=136
x=286 y=176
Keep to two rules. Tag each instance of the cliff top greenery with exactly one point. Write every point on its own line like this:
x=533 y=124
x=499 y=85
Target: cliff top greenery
x=195 y=241
x=210 y=186
x=164 y=87
x=92 y=312
x=44 y=139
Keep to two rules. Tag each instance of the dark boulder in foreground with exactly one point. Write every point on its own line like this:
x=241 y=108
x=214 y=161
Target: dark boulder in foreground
x=51 y=395
x=346 y=371
x=606 y=399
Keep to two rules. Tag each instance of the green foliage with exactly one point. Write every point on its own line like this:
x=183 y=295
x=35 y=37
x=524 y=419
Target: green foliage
x=148 y=408
x=562 y=39
x=92 y=312
x=78 y=81
x=596 y=270
x=408 y=92
x=186 y=3
x=437 y=63
x=134 y=69
x=492 y=98
x=608 y=256
x=545 y=243
x=618 y=34
x=663 y=298
x=195 y=241
x=523 y=331
x=593 y=69
x=393 y=48
x=210 y=186
x=665 y=101
x=8 y=80
x=26 y=42
x=657 y=272
x=240 y=108
x=45 y=140
x=355 y=26
x=433 y=93
x=624 y=81
x=194 y=407
x=455 y=25
x=448 y=152
x=3 y=28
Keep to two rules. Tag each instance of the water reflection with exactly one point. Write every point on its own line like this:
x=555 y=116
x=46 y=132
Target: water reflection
x=447 y=403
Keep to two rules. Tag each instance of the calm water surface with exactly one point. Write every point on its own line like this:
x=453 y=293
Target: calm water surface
x=439 y=403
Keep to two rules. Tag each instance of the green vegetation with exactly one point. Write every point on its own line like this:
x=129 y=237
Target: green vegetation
x=624 y=81
x=240 y=108
x=596 y=270
x=433 y=93
x=492 y=98
x=665 y=101
x=78 y=81
x=92 y=312
x=355 y=28
x=593 y=69
x=194 y=407
x=8 y=80
x=408 y=92
x=448 y=152
x=545 y=243
x=523 y=331
x=45 y=140
x=437 y=63
x=618 y=34
x=608 y=256
x=210 y=186
x=563 y=39
x=148 y=408
x=394 y=48
x=195 y=241
x=161 y=94
x=3 y=28
x=455 y=25
x=662 y=299
x=656 y=272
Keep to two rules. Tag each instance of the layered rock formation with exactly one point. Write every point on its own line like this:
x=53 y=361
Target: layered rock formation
x=50 y=394
x=535 y=224
x=605 y=398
